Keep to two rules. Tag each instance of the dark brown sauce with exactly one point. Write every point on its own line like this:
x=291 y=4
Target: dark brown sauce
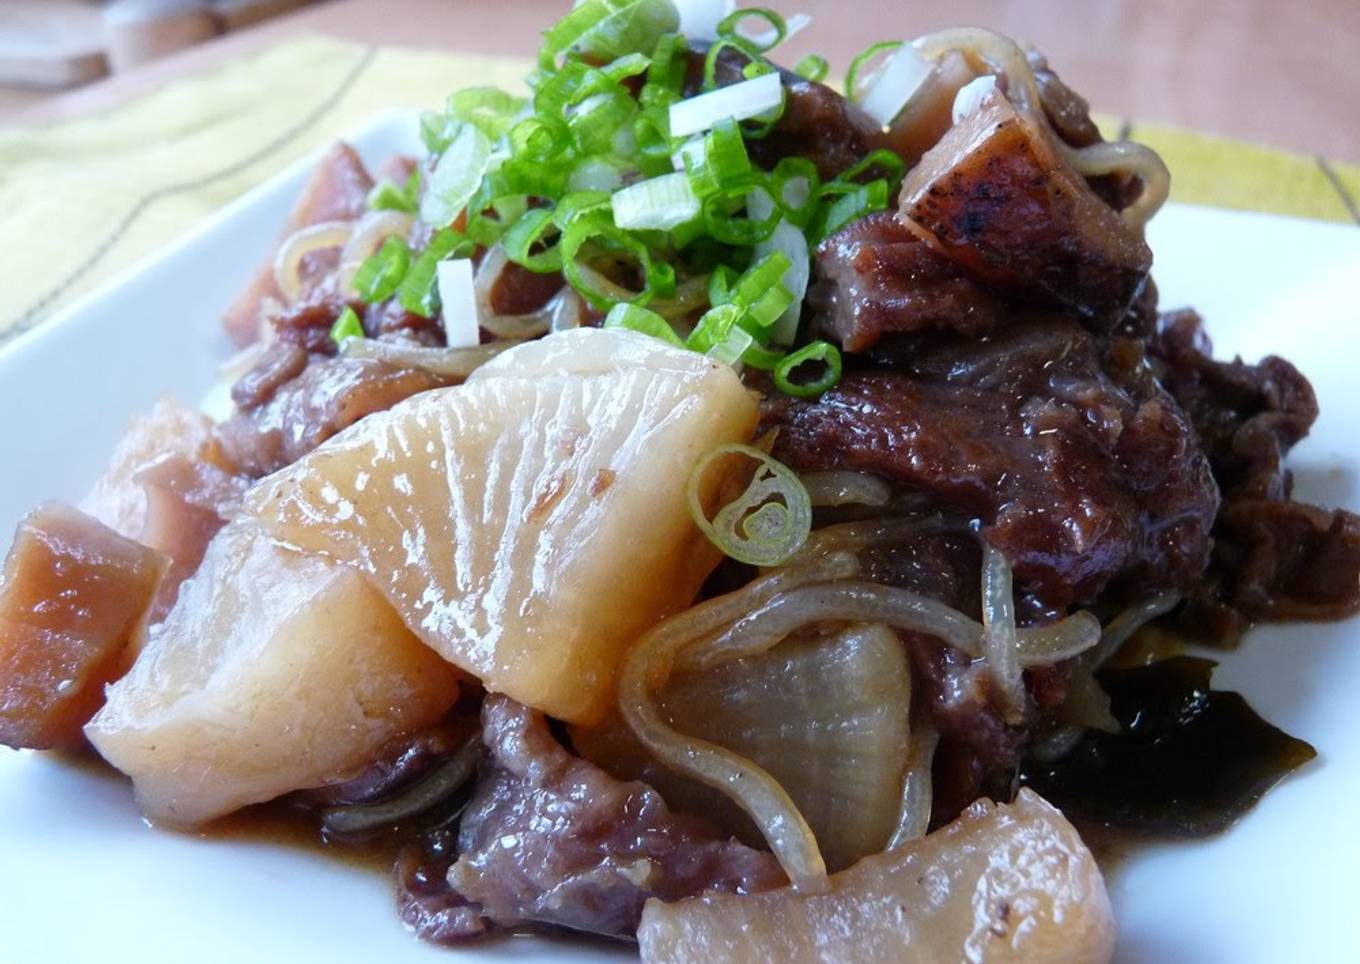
x=283 y=825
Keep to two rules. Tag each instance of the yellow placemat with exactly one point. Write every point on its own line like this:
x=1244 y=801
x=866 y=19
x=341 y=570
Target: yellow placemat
x=83 y=201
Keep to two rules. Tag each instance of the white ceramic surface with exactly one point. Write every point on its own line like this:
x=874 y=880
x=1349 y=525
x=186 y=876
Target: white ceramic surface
x=82 y=878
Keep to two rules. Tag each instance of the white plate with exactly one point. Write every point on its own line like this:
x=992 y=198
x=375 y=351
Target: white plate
x=82 y=878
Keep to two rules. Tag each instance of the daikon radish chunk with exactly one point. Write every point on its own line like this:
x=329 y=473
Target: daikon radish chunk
x=827 y=717
x=1006 y=883
x=532 y=523
x=273 y=672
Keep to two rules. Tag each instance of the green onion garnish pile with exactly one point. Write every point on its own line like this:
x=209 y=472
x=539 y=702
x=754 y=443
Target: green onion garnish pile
x=646 y=201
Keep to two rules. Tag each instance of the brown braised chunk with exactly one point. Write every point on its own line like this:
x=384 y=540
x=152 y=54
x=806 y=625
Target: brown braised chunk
x=74 y=592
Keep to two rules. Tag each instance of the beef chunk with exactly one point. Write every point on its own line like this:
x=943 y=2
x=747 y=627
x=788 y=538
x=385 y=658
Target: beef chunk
x=876 y=277
x=1273 y=558
x=72 y=594
x=1248 y=416
x=1083 y=482
x=995 y=196
x=329 y=395
x=338 y=191
x=551 y=839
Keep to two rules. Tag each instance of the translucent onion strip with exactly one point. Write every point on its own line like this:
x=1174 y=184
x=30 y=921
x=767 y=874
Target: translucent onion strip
x=1087 y=704
x=299 y=244
x=372 y=230
x=913 y=819
x=456 y=363
x=529 y=325
x=1000 y=644
x=649 y=665
x=439 y=785
x=837 y=487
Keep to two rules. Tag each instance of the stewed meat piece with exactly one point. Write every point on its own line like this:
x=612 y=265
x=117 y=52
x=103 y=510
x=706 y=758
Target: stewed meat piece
x=996 y=196
x=1083 y=482
x=876 y=278
x=551 y=839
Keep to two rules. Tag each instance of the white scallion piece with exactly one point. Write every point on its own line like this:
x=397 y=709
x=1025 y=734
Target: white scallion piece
x=738 y=101
x=970 y=96
x=793 y=243
x=594 y=174
x=459 y=300
x=658 y=204
x=699 y=19
x=692 y=151
x=900 y=78
x=732 y=348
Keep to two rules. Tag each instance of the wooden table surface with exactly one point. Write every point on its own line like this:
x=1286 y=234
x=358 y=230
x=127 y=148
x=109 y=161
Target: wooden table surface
x=1281 y=72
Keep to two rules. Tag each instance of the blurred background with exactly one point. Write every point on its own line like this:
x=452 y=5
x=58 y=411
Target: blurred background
x=1279 y=72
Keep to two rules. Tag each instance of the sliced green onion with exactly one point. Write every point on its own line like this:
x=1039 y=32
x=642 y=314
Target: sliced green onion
x=578 y=205
x=386 y=196
x=817 y=351
x=750 y=98
x=853 y=204
x=794 y=184
x=666 y=73
x=758 y=356
x=595 y=230
x=720 y=161
x=594 y=174
x=767 y=523
x=714 y=327
x=418 y=293
x=733 y=348
x=599 y=119
x=862 y=59
x=382 y=272
x=456 y=176
x=813 y=67
x=741 y=44
x=723 y=224
x=641 y=319
x=529 y=232
x=779 y=27
x=634 y=26
x=346 y=326
x=490 y=109
x=882 y=162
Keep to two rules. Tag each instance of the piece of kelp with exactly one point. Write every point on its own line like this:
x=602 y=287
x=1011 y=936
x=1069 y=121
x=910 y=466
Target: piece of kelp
x=1188 y=762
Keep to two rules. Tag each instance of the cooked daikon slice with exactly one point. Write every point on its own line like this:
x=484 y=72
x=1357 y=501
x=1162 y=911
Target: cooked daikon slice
x=529 y=524
x=999 y=884
x=273 y=672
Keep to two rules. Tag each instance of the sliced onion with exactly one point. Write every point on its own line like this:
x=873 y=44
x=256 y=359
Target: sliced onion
x=837 y=487
x=1000 y=645
x=445 y=362
x=1057 y=642
x=299 y=244
x=900 y=78
x=913 y=818
x=971 y=95
x=568 y=310
x=458 y=300
x=529 y=325
x=736 y=101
